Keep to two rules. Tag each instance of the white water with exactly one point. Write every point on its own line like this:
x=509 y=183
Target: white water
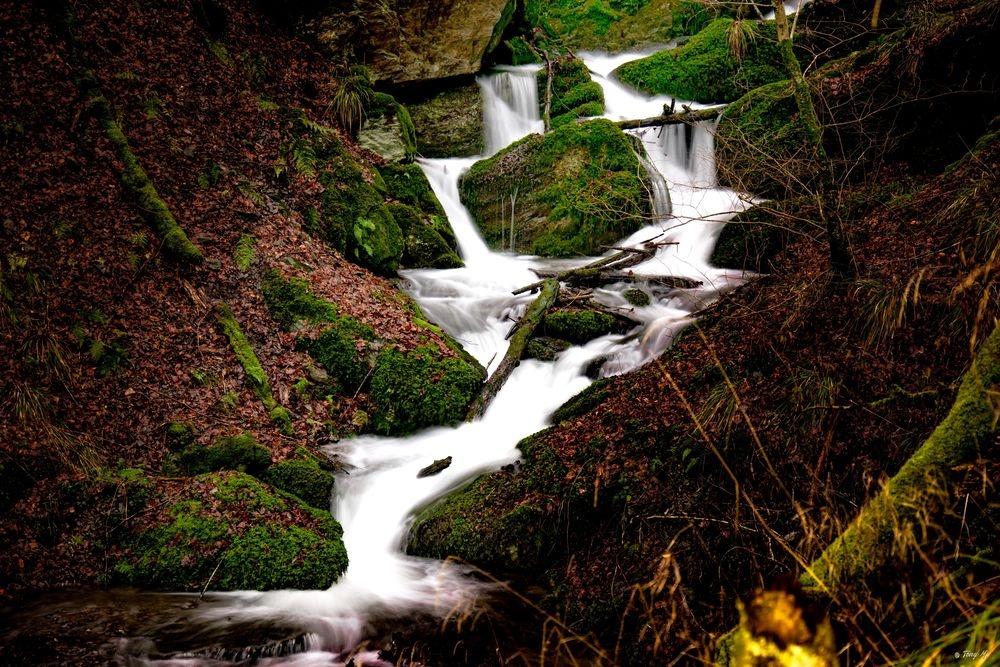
x=376 y=501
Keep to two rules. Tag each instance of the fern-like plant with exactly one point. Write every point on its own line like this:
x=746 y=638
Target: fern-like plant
x=353 y=95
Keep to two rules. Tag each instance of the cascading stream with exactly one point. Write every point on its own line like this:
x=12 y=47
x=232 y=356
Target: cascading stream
x=376 y=501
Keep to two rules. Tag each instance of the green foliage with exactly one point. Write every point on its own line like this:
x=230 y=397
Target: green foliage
x=244 y=254
x=575 y=189
x=705 y=70
x=420 y=388
x=208 y=542
x=521 y=53
x=109 y=356
x=304 y=478
x=242 y=453
x=424 y=239
x=291 y=301
x=574 y=94
x=600 y=24
x=578 y=326
x=408 y=184
x=210 y=176
x=336 y=349
x=352 y=97
x=180 y=435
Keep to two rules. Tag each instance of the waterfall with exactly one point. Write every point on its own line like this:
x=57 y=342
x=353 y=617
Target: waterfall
x=510 y=106
x=375 y=502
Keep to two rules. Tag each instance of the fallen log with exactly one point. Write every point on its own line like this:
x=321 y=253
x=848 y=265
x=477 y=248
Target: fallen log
x=518 y=341
x=619 y=260
x=688 y=116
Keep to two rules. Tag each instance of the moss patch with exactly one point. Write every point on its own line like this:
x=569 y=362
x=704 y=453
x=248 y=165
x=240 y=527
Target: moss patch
x=229 y=531
x=291 y=301
x=449 y=124
x=304 y=478
x=241 y=452
x=574 y=189
x=578 y=326
x=574 y=94
x=420 y=388
x=427 y=237
x=704 y=70
x=388 y=130
x=612 y=25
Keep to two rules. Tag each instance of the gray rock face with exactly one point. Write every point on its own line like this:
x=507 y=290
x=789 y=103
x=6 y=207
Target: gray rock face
x=409 y=41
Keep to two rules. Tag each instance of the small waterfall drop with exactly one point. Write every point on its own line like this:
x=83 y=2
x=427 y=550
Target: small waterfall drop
x=510 y=105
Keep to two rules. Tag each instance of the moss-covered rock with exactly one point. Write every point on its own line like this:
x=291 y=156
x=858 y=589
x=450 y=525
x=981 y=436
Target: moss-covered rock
x=578 y=326
x=179 y=435
x=574 y=189
x=388 y=130
x=229 y=531
x=291 y=301
x=425 y=245
x=545 y=348
x=637 y=297
x=305 y=478
x=449 y=124
x=421 y=388
x=583 y=402
x=241 y=452
x=574 y=94
x=339 y=350
x=760 y=145
x=704 y=69
x=427 y=237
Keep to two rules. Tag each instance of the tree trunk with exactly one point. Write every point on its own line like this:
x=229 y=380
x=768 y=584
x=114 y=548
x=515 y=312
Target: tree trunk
x=689 y=116
x=518 y=341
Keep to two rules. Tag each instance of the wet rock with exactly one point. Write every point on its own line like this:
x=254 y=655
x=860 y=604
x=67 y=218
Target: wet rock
x=435 y=467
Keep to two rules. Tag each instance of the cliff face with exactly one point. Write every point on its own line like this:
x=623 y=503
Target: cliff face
x=406 y=41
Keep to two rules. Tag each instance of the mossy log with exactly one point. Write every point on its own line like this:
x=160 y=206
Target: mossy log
x=669 y=117
x=610 y=270
x=518 y=341
x=966 y=434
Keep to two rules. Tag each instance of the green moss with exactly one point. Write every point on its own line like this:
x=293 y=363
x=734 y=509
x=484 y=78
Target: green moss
x=255 y=375
x=752 y=239
x=242 y=453
x=420 y=388
x=291 y=301
x=583 y=402
x=209 y=541
x=425 y=246
x=304 y=478
x=244 y=254
x=409 y=184
x=545 y=349
x=450 y=124
x=336 y=350
x=574 y=189
x=636 y=297
x=574 y=94
x=578 y=326
x=964 y=436
x=389 y=129
x=151 y=206
x=520 y=52
x=179 y=435
x=704 y=70
x=761 y=120
x=600 y=24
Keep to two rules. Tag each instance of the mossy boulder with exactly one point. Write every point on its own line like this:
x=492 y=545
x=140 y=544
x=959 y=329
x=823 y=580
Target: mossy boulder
x=388 y=130
x=340 y=350
x=574 y=93
x=574 y=190
x=450 y=123
x=427 y=237
x=424 y=242
x=351 y=215
x=305 y=478
x=704 y=69
x=760 y=144
x=578 y=326
x=229 y=531
x=545 y=348
x=637 y=297
x=420 y=388
x=752 y=239
x=241 y=452
x=291 y=301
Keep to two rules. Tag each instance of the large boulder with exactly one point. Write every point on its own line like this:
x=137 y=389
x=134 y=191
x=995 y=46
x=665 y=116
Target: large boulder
x=407 y=41
x=449 y=123
x=574 y=93
x=571 y=191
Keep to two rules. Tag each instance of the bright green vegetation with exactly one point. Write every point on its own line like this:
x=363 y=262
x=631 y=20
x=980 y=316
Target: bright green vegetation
x=389 y=130
x=351 y=215
x=574 y=94
x=520 y=52
x=427 y=237
x=450 y=124
x=578 y=326
x=179 y=435
x=600 y=24
x=290 y=301
x=761 y=123
x=244 y=254
x=420 y=388
x=879 y=533
x=241 y=452
x=229 y=531
x=305 y=478
x=336 y=350
x=573 y=190
x=636 y=297
x=704 y=69
x=256 y=377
